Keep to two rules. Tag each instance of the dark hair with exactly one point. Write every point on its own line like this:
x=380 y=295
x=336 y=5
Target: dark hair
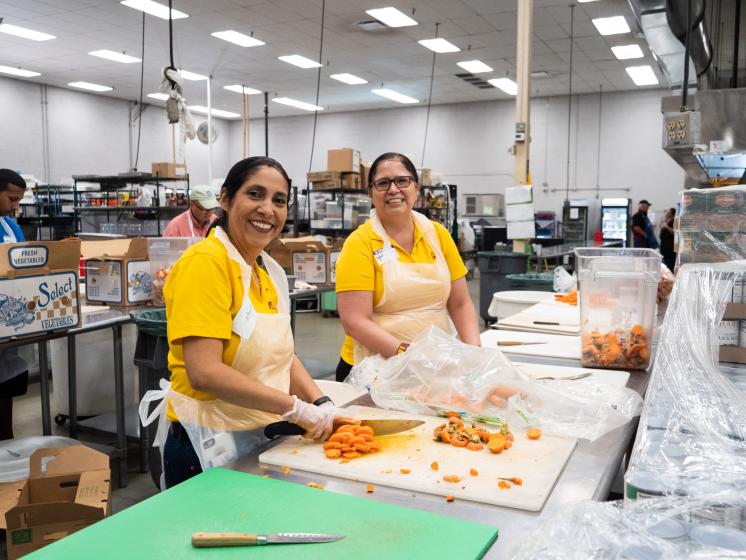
x=239 y=174
x=8 y=177
x=392 y=156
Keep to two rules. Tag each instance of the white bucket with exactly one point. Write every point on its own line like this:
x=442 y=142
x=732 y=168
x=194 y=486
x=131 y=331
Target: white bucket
x=506 y=304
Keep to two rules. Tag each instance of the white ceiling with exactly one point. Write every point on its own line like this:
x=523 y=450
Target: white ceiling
x=392 y=57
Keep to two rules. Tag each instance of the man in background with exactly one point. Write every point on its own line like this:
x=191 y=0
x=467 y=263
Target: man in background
x=199 y=216
x=13 y=369
x=642 y=229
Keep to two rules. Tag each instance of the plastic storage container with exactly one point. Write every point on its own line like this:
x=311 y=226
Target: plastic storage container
x=617 y=305
x=163 y=252
x=494 y=266
x=541 y=282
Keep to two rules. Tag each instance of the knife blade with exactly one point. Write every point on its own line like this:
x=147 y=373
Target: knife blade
x=380 y=427
x=206 y=540
x=517 y=343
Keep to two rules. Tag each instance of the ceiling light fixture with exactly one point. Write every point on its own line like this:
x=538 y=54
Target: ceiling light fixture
x=505 y=84
x=238 y=38
x=187 y=75
x=391 y=16
x=154 y=9
x=299 y=61
x=115 y=56
x=297 y=104
x=90 y=86
x=18 y=72
x=394 y=95
x=439 y=45
x=158 y=96
x=350 y=79
x=611 y=25
x=475 y=66
x=540 y=74
x=242 y=89
x=215 y=112
x=642 y=75
x=625 y=52
x=25 y=33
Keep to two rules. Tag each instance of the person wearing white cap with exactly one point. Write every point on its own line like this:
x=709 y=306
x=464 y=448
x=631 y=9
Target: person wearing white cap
x=197 y=219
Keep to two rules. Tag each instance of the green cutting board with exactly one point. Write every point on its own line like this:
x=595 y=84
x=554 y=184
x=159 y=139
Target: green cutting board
x=221 y=500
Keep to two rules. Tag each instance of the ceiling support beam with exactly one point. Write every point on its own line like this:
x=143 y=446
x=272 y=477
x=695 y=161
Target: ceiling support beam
x=523 y=97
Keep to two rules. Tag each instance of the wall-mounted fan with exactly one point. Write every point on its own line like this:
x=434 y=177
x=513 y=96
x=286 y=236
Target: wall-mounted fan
x=202 y=133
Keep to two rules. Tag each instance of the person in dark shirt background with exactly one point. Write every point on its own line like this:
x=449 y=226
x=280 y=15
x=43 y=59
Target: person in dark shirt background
x=669 y=256
x=642 y=229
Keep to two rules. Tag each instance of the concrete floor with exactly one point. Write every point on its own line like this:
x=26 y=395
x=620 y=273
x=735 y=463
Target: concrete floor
x=318 y=340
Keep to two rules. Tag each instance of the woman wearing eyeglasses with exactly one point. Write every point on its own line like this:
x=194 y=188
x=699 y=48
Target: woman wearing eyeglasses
x=399 y=272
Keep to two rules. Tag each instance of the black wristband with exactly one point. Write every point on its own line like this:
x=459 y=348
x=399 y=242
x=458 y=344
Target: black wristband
x=322 y=400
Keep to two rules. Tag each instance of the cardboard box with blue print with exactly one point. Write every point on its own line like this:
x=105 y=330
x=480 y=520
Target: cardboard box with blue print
x=68 y=489
x=38 y=287
x=307 y=258
x=117 y=272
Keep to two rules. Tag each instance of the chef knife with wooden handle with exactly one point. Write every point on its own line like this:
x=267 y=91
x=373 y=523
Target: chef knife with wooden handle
x=206 y=540
x=380 y=427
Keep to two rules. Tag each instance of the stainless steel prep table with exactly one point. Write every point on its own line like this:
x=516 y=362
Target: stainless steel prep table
x=588 y=475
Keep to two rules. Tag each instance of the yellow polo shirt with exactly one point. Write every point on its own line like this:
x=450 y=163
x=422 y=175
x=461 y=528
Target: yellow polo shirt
x=203 y=294
x=358 y=270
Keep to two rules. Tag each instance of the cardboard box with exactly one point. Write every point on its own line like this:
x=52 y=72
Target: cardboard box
x=425 y=174
x=364 y=172
x=117 y=271
x=68 y=489
x=168 y=170
x=733 y=354
x=39 y=289
x=351 y=181
x=327 y=180
x=344 y=160
x=306 y=258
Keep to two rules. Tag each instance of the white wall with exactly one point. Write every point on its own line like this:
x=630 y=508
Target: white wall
x=467 y=142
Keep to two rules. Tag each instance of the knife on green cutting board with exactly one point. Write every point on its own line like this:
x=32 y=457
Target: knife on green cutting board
x=380 y=427
x=206 y=540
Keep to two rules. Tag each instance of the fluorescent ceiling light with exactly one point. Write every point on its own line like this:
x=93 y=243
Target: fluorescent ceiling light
x=25 y=33
x=391 y=17
x=300 y=61
x=215 y=112
x=611 y=25
x=474 y=66
x=624 y=52
x=18 y=72
x=187 y=75
x=642 y=75
x=90 y=86
x=348 y=79
x=115 y=56
x=154 y=9
x=540 y=74
x=242 y=89
x=394 y=95
x=158 y=96
x=237 y=38
x=439 y=45
x=505 y=84
x=297 y=104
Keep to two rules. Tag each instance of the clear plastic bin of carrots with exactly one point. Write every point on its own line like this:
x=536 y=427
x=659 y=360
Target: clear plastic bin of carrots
x=618 y=290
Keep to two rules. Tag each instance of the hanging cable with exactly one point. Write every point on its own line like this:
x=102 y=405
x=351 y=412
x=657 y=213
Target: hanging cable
x=429 y=99
x=318 y=86
x=142 y=79
x=569 y=101
x=170 y=34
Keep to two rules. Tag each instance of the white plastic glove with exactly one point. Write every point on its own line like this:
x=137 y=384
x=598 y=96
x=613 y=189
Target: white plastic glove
x=318 y=421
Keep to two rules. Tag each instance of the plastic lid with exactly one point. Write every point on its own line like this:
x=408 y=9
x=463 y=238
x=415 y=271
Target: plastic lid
x=646 y=481
x=641 y=552
x=668 y=529
x=717 y=536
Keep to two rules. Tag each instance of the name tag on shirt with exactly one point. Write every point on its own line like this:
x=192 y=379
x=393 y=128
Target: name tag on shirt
x=387 y=254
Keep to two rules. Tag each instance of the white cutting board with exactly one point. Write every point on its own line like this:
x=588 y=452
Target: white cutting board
x=538 y=462
x=568 y=317
x=555 y=346
x=610 y=376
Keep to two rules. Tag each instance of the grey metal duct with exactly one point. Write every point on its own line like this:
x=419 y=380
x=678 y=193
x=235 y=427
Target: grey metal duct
x=700 y=49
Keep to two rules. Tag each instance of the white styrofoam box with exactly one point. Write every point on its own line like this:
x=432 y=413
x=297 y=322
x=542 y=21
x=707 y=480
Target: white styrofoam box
x=522 y=230
x=518 y=194
x=519 y=212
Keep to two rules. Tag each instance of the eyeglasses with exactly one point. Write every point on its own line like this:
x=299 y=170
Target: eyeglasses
x=401 y=182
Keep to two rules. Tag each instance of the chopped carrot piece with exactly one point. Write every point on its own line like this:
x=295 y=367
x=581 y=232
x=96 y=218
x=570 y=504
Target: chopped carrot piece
x=474 y=446
x=263 y=467
x=344 y=461
x=452 y=478
x=265 y=476
x=333 y=453
x=534 y=433
x=315 y=485
x=503 y=485
x=449 y=498
x=369 y=489
x=351 y=455
x=405 y=471
x=434 y=465
x=286 y=470
x=514 y=479
x=473 y=472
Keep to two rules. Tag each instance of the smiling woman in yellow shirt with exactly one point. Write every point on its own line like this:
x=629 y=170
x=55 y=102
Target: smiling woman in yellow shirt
x=399 y=272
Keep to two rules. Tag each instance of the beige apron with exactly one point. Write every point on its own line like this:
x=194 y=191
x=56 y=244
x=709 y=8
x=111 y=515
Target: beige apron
x=415 y=295
x=265 y=354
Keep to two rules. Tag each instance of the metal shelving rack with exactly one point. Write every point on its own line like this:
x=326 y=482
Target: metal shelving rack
x=336 y=194
x=111 y=185
x=439 y=203
x=47 y=212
